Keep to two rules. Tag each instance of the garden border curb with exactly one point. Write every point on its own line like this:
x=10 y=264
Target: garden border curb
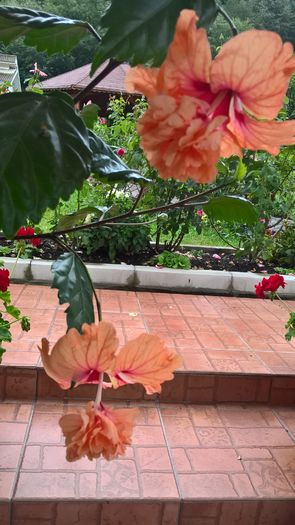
x=151 y=278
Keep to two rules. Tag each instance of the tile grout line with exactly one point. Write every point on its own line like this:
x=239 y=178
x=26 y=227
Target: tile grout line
x=174 y=470
x=21 y=457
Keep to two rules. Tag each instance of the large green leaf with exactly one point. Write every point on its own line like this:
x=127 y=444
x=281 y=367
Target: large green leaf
x=108 y=167
x=74 y=287
x=44 y=31
x=231 y=208
x=44 y=152
x=140 y=31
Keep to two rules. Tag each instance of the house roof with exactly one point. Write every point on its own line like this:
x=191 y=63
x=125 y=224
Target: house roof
x=79 y=78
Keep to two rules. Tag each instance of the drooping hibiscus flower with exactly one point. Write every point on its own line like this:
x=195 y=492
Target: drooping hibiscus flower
x=84 y=358
x=201 y=109
x=98 y=431
x=78 y=359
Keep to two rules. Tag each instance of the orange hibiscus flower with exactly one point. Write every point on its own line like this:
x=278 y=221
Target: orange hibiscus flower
x=201 y=109
x=78 y=359
x=97 y=431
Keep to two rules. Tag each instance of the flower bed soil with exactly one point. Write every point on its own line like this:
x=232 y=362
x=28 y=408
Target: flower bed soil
x=202 y=260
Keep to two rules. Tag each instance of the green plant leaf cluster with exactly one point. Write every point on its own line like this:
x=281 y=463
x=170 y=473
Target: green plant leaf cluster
x=290 y=326
x=9 y=310
x=112 y=241
x=173 y=260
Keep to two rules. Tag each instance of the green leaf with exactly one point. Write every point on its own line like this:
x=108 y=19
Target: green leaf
x=13 y=311
x=73 y=283
x=43 y=31
x=241 y=171
x=5 y=297
x=5 y=334
x=140 y=31
x=231 y=209
x=72 y=219
x=108 y=167
x=89 y=115
x=2 y=351
x=44 y=152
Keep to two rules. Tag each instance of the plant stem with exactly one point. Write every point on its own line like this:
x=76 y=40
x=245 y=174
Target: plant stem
x=112 y=64
x=19 y=251
x=99 y=391
x=94 y=32
x=140 y=194
x=286 y=306
x=229 y=20
x=118 y=218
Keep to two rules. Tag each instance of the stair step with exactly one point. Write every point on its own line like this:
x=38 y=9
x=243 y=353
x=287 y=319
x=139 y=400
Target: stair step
x=188 y=465
x=233 y=349
x=32 y=383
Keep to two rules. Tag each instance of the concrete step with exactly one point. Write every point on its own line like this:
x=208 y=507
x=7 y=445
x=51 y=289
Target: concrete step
x=188 y=465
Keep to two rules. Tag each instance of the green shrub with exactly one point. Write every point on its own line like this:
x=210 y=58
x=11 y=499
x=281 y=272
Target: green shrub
x=173 y=260
x=116 y=240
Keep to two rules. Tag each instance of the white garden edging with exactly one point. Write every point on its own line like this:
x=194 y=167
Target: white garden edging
x=152 y=278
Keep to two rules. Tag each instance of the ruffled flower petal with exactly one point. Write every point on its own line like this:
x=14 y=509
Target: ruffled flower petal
x=261 y=135
x=80 y=358
x=256 y=66
x=96 y=432
x=145 y=360
x=179 y=143
x=186 y=68
x=143 y=80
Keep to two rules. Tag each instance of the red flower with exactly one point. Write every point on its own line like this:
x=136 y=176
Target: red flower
x=260 y=291
x=4 y=279
x=121 y=152
x=269 y=285
x=29 y=231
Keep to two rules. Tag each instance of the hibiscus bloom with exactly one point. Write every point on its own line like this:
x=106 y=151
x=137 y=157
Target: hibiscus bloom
x=81 y=358
x=97 y=431
x=36 y=241
x=4 y=279
x=270 y=284
x=201 y=109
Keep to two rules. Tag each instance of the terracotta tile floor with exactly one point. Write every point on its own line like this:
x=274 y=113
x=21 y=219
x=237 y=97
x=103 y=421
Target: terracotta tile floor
x=189 y=465
x=212 y=334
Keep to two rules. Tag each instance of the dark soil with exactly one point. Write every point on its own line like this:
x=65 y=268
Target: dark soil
x=200 y=259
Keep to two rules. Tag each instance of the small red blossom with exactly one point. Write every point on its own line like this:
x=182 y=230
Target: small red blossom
x=29 y=231
x=200 y=213
x=121 y=152
x=271 y=284
x=102 y=120
x=4 y=279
